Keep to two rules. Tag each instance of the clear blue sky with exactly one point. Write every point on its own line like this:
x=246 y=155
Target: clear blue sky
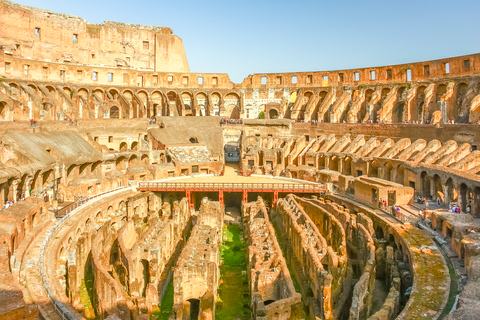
x=246 y=37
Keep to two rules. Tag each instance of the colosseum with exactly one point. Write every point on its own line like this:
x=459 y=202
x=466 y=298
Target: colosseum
x=132 y=188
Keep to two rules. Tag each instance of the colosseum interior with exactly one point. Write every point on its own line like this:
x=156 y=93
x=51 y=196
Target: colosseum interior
x=134 y=189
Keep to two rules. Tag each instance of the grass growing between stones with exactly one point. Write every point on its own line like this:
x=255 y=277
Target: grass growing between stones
x=86 y=292
x=166 y=307
x=234 y=294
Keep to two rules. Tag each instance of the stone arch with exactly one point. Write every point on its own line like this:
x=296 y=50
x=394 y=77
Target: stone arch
x=95 y=166
x=398 y=112
x=201 y=101
x=143 y=111
x=123 y=146
x=334 y=163
x=362 y=113
x=114 y=112
x=450 y=193
x=3 y=110
x=145 y=159
x=81 y=170
x=373 y=169
x=120 y=163
x=388 y=171
x=437 y=187
x=216 y=99
x=400 y=176
x=134 y=146
x=99 y=94
x=425 y=184
x=114 y=94
x=348 y=166
x=417 y=107
x=460 y=111
x=273 y=113
x=132 y=161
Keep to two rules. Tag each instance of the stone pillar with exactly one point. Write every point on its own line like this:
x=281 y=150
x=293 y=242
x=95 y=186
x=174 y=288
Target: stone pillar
x=341 y=165
x=15 y=189
x=432 y=189
x=28 y=186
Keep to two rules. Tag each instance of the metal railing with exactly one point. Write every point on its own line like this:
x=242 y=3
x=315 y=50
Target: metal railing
x=216 y=186
x=62 y=310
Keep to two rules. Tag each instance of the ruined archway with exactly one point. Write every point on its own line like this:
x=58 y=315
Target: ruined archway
x=114 y=112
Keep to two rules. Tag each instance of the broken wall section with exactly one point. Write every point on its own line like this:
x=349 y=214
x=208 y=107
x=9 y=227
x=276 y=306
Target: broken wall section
x=197 y=273
x=272 y=290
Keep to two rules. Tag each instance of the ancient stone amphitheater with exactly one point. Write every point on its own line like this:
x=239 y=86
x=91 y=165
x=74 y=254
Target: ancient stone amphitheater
x=134 y=189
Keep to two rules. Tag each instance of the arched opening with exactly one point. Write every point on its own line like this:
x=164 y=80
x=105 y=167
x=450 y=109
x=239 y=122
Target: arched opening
x=348 y=166
x=460 y=111
x=120 y=163
x=388 y=172
x=132 y=161
x=398 y=113
x=373 y=169
x=273 y=114
x=144 y=160
x=123 y=147
x=379 y=233
x=3 y=108
x=449 y=192
x=425 y=180
x=400 y=175
x=362 y=113
x=194 y=308
x=114 y=112
x=437 y=185
x=134 y=146
x=416 y=113
x=334 y=163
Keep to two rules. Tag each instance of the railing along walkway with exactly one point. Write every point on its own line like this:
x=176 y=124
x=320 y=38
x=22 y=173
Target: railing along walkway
x=229 y=187
x=64 y=311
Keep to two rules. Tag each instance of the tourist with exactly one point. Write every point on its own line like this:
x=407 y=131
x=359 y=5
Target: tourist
x=438 y=201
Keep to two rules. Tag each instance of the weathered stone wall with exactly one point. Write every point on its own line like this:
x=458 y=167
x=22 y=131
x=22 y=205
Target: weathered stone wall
x=272 y=291
x=49 y=36
x=196 y=275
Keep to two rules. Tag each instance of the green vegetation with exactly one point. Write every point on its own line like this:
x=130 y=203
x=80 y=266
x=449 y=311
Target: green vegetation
x=86 y=291
x=234 y=295
x=166 y=307
x=261 y=115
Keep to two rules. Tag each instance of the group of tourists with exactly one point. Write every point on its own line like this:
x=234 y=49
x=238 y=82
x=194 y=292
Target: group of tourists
x=231 y=121
x=8 y=204
x=152 y=120
x=394 y=210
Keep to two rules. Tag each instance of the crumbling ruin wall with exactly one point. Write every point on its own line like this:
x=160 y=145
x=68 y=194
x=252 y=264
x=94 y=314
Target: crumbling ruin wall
x=16 y=224
x=429 y=278
x=343 y=230
x=309 y=248
x=196 y=275
x=272 y=291
x=140 y=275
